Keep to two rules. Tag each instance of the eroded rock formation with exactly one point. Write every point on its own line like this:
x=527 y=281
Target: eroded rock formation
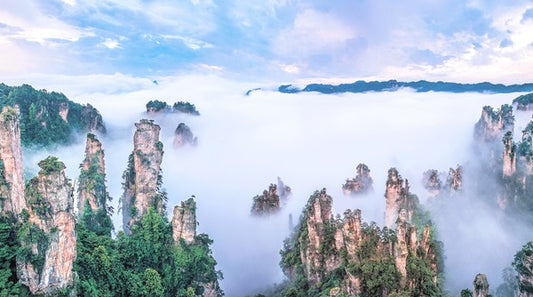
x=11 y=169
x=284 y=191
x=184 y=221
x=494 y=123
x=183 y=136
x=142 y=178
x=92 y=191
x=48 y=234
x=432 y=182
x=397 y=197
x=454 y=182
x=509 y=155
x=362 y=183
x=324 y=244
x=268 y=202
x=480 y=286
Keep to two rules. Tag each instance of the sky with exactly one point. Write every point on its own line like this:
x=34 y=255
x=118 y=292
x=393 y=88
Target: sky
x=270 y=40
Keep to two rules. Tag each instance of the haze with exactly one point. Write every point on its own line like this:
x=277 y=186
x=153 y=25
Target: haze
x=312 y=141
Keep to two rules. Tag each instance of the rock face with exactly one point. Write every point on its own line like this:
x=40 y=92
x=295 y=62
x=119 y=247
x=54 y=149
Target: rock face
x=11 y=168
x=454 y=182
x=268 y=202
x=184 y=221
x=509 y=155
x=493 y=123
x=481 y=286
x=397 y=197
x=284 y=191
x=362 y=183
x=183 y=136
x=48 y=236
x=142 y=178
x=324 y=244
x=432 y=182
x=91 y=189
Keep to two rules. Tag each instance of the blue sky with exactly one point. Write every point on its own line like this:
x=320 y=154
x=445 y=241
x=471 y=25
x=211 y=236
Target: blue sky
x=271 y=39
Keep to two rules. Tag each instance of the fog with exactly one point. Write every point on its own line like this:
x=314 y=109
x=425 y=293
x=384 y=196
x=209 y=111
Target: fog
x=312 y=141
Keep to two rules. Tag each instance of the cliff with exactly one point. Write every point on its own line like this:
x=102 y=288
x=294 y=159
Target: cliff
x=48 y=236
x=432 y=182
x=266 y=203
x=480 y=286
x=184 y=221
x=11 y=169
x=523 y=263
x=157 y=106
x=342 y=255
x=92 y=190
x=284 y=191
x=142 y=178
x=454 y=181
x=183 y=136
x=50 y=118
x=398 y=197
x=361 y=184
x=494 y=123
x=524 y=102
x=509 y=155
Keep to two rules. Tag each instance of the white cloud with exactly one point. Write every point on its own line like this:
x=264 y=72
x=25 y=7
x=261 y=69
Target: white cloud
x=190 y=42
x=111 y=43
x=313 y=32
x=26 y=22
x=69 y=2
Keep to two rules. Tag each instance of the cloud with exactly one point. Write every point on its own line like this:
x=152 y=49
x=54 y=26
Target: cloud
x=111 y=43
x=191 y=43
x=311 y=141
x=313 y=33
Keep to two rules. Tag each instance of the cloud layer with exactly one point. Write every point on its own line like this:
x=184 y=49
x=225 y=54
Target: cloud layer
x=448 y=40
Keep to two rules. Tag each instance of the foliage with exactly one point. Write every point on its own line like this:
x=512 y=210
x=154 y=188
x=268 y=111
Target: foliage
x=40 y=119
x=9 y=245
x=180 y=107
x=156 y=105
x=524 y=99
x=51 y=165
x=146 y=263
x=185 y=107
x=523 y=265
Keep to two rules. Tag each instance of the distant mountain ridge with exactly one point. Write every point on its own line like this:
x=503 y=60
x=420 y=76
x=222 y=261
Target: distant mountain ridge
x=418 y=86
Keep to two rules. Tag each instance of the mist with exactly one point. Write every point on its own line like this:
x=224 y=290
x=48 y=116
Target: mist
x=312 y=141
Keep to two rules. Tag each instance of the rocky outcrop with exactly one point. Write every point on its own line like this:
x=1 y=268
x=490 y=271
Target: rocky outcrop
x=184 y=221
x=509 y=155
x=361 y=184
x=92 y=190
x=11 y=169
x=318 y=221
x=142 y=178
x=324 y=245
x=90 y=118
x=284 y=191
x=432 y=182
x=48 y=234
x=480 y=286
x=183 y=136
x=397 y=197
x=454 y=182
x=266 y=203
x=494 y=123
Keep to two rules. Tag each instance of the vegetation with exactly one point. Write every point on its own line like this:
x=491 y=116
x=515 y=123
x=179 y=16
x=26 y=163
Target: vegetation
x=51 y=165
x=180 y=106
x=146 y=263
x=48 y=118
x=523 y=101
x=523 y=264
x=372 y=262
